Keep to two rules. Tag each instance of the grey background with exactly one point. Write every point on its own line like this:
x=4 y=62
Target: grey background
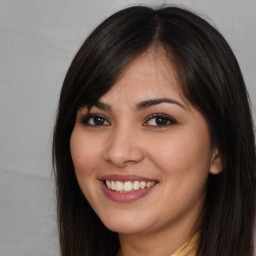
x=37 y=42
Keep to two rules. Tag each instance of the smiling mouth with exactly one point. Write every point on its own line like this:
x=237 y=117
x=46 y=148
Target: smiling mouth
x=128 y=186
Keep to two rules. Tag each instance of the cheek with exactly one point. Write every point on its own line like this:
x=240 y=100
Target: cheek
x=186 y=153
x=85 y=152
x=184 y=163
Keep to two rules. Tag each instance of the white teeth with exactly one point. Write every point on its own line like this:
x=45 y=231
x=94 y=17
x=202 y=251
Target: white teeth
x=119 y=186
x=149 y=184
x=128 y=186
x=108 y=183
x=143 y=184
x=136 y=185
x=113 y=185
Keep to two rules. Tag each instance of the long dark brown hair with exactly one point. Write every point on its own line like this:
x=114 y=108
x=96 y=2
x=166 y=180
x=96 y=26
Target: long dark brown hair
x=210 y=79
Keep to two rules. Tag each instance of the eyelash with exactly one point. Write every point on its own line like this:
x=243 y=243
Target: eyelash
x=84 y=119
x=168 y=120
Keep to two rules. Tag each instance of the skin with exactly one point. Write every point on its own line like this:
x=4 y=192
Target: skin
x=129 y=141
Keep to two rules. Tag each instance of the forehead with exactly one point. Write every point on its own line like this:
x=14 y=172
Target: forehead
x=151 y=74
x=155 y=64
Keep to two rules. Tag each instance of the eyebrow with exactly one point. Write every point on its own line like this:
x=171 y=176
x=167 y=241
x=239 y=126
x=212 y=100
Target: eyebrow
x=148 y=103
x=140 y=106
x=101 y=105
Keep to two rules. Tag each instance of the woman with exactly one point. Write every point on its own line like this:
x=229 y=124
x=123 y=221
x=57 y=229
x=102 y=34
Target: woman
x=153 y=146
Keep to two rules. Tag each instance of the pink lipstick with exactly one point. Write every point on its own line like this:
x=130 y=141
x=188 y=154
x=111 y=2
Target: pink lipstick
x=126 y=188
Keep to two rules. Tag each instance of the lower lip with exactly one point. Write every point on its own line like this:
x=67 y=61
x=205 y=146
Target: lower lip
x=125 y=197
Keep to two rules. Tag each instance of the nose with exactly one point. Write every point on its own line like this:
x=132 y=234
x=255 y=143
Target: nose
x=123 y=147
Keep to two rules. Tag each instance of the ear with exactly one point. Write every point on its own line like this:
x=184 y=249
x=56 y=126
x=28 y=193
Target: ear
x=216 y=162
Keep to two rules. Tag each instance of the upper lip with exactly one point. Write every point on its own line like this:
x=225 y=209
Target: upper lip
x=123 y=178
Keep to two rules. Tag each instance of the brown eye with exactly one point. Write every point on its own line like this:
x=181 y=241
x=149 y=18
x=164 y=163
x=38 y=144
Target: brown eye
x=94 y=120
x=159 y=120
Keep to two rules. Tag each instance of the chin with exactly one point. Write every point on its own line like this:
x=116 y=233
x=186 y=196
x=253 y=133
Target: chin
x=124 y=225
x=126 y=229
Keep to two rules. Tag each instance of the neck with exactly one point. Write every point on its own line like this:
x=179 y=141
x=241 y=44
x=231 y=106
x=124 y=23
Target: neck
x=163 y=237
x=162 y=243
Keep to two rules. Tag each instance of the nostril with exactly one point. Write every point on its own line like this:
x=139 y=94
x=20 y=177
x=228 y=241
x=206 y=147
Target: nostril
x=121 y=157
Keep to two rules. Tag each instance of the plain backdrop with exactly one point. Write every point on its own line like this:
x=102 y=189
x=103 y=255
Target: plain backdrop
x=38 y=39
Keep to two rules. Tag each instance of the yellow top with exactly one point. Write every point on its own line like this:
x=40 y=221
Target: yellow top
x=189 y=248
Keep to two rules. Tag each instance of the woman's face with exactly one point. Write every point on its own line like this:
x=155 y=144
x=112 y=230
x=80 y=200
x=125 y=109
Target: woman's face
x=142 y=154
